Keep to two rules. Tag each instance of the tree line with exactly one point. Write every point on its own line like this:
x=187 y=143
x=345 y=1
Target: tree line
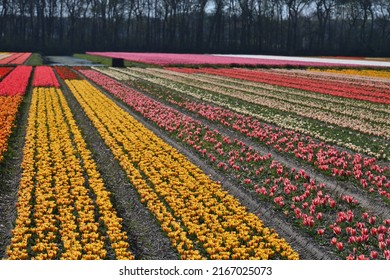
x=292 y=27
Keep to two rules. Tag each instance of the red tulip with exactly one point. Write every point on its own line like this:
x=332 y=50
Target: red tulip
x=361 y=257
x=337 y=230
x=339 y=246
x=382 y=229
x=374 y=255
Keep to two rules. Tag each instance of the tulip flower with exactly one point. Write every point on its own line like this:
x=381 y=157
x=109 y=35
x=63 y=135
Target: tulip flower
x=336 y=230
x=339 y=246
x=374 y=255
x=361 y=257
x=320 y=231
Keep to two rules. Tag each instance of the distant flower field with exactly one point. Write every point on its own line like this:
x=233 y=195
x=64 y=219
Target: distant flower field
x=226 y=163
x=14 y=58
x=172 y=59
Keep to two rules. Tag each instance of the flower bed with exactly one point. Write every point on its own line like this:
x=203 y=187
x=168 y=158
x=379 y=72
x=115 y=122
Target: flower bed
x=44 y=77
x=311 y=205
x=331 y=88
x=166 y=59
x=193 y=210
x=63 y=208
x=4 y=71
x=9 y=106
x=16 y=82
x=327 y=159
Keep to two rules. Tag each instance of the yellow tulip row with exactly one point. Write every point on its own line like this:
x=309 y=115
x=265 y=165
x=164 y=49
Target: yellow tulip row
x=56 y=215
x=201 y=219
x=356 y=72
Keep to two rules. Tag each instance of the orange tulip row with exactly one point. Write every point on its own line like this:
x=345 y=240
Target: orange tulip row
x=201 y=219
x=55 y=211
x=8 y=108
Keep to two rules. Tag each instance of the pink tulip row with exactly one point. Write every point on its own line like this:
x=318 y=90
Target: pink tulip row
x=202 y=59
x=15 y=58
x=44 y=77
x=298 y=196
x=16 y=82
x=331 y=88
x=363 y=171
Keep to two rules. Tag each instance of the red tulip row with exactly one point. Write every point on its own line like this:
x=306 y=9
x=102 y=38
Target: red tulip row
x=326 y=87
x=67 y=73
x=305 y=202
x=16 y=82
x=4 y=71
x=348 y=79
x=327 y=159
x=44 y=77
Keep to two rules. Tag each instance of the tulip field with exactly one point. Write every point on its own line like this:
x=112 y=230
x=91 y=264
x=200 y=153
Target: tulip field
x=14 y=58
x=216 y=162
